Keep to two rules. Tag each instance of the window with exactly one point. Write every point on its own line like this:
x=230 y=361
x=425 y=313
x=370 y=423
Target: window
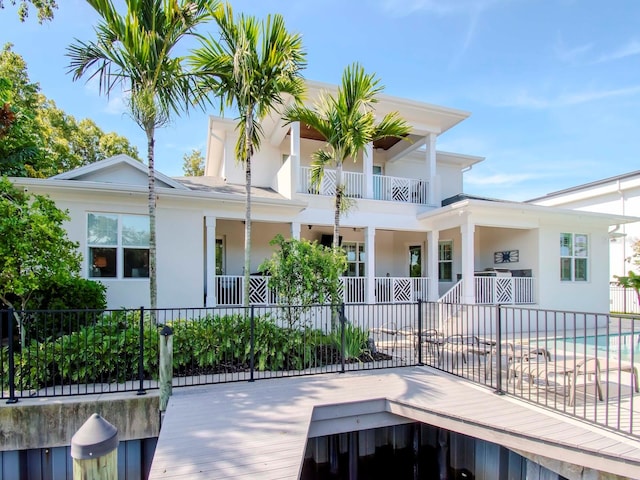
x=415 y=261
x=445 y=261
x=118 y=245
x=574 y=253
x=355 y=259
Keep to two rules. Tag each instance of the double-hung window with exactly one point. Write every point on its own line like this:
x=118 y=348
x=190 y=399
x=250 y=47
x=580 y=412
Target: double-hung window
x=355 y=259
x=118 y=245
x=574 y=256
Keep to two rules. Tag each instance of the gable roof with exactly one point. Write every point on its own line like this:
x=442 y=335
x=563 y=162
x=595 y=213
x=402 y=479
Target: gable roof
x=119 y=169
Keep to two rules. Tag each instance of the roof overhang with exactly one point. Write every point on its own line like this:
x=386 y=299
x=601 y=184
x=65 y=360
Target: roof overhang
x=513 y=215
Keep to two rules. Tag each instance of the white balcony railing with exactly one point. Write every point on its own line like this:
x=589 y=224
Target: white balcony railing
x=392 y=189
x=230 y=291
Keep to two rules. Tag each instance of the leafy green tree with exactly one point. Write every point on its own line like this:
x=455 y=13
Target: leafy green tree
x=252 y=67
x=21 y=139
x=302 y=274
x=37 y=138
x=193 y=163
x=347 y=122
x=136 y=52
x=44 y=8
x=34 y=248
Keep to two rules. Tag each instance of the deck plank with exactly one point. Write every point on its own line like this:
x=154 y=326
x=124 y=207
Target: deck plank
x=259 y=429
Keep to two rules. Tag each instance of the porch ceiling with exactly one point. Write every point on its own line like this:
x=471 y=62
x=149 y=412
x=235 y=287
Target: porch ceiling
x=309 y=133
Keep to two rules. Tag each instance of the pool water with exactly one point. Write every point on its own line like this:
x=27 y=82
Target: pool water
x=625 y=346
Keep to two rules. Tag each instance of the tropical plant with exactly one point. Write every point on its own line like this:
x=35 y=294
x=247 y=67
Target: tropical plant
x=135 y=51
x=252 y=68
x=632 y=280
x=347 y=123
x=302 y=274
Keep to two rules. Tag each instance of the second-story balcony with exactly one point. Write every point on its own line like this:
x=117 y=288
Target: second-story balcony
x=384 y=187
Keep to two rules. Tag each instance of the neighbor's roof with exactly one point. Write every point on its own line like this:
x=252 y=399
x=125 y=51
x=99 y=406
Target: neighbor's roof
x=586 y=186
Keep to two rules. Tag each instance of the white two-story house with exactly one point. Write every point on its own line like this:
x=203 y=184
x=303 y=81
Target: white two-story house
x=411 y=234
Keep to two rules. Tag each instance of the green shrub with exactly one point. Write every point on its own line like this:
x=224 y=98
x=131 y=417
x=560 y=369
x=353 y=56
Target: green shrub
x=64 y=296
x=107 y=350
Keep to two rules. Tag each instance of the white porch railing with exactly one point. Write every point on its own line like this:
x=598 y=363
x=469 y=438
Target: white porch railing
x=504 y=290
x=229 y=290
x=392 y=189
x=401 y=289
x=495 y=290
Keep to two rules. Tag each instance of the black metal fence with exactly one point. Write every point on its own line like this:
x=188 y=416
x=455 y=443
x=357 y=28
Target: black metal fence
x=580 y=364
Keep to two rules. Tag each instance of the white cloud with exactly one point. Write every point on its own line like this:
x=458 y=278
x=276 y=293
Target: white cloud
x=630 y=49
x=573 y=54
x=525 y=99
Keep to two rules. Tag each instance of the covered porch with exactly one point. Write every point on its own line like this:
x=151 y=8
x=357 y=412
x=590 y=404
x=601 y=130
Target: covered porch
x=384 y=266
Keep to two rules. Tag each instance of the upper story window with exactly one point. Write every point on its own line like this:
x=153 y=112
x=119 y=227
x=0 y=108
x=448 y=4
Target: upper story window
x=118 y=245
x=445 y=261
x=574 y=256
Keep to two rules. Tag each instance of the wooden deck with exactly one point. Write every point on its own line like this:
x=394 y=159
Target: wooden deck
x=259 y=429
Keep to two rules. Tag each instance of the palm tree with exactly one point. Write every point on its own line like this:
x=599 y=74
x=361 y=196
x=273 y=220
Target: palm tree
x=347 y=123
x=252 y=67
x=134 y=51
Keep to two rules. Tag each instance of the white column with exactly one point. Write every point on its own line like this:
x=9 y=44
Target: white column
x=367 y=161
x=430 y=160
x=433 y=237
x=468 y=258
x=294 y=136
x=210 y=269
x=370 y=251
x=295 y=230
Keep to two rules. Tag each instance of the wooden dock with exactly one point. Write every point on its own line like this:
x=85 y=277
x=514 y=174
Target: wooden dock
x=259 y=429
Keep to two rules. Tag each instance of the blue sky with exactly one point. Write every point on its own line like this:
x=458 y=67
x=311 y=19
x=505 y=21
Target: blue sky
x=553 y=86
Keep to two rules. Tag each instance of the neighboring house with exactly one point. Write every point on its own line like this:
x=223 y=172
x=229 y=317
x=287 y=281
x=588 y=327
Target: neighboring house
x=619 y=195
x=412 y=233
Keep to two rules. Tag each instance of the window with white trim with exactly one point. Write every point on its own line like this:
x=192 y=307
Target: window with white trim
x=445 y=261
x=118 y=245
x=574 y=257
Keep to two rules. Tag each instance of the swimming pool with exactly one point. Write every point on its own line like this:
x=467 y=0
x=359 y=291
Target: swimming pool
x=625 y=346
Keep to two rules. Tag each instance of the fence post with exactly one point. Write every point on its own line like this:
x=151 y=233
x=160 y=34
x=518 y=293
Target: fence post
x=499 y=390
x=141 y=390
x=342 y=337
x=166 y=366
x=94 y=449
x=420 y=332
x=252 y=345
x=12 y=366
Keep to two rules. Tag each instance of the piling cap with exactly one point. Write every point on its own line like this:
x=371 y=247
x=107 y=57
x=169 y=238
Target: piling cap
x=94 y=439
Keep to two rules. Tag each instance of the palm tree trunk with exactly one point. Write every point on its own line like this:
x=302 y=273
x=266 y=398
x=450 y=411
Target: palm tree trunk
x=153 y=281
x=338 y=205
x=247 y=216
x=335 y=318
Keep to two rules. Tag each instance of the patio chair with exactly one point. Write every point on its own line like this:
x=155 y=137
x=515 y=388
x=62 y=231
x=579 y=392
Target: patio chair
x=566 y=373
x=385 y=337
x=432 y=342
x=466 y=347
